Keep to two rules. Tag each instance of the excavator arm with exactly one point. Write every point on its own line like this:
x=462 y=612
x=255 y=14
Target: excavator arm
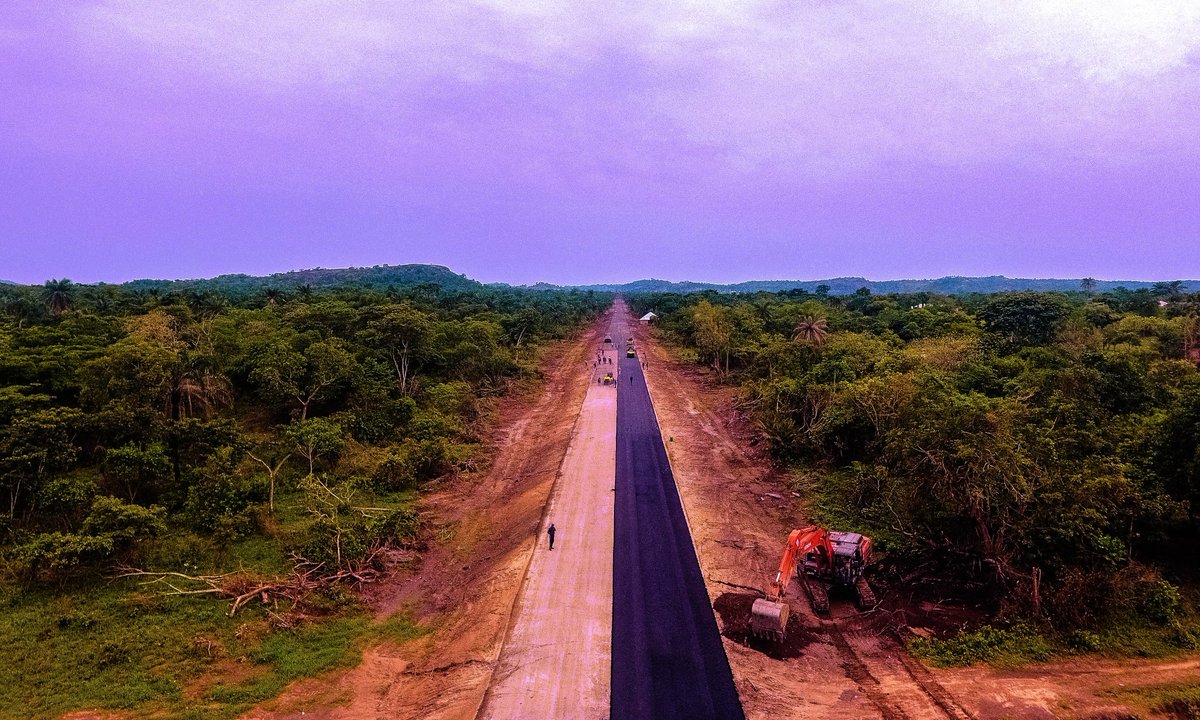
x=769 y=615
x=799 y=544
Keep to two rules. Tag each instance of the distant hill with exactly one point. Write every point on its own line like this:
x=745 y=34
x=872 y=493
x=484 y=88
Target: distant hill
x=383 y=276
x=950 y=285
x=378 y=276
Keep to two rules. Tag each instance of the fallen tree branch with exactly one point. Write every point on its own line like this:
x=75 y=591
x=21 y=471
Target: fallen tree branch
x=242 y=589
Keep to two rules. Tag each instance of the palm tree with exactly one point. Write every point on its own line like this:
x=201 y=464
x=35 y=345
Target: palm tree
x=59 y=295
x=812 y=330
x=197 y=389
x=206 y=304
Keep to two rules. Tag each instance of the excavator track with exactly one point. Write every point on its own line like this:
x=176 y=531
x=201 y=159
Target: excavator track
x=817 y=594
x=858 y=670
x=866 y=596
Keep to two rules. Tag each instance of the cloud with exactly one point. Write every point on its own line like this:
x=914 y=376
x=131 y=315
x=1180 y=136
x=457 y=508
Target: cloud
x=806 y=88
x=785 y=118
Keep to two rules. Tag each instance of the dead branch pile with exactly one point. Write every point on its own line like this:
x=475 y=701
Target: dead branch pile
x=293 y=590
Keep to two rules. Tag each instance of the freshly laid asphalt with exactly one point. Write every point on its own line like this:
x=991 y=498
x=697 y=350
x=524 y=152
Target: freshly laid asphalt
x=667 y=658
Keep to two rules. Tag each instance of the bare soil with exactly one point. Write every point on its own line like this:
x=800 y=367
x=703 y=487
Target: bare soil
x=851 y=665
x=484 y=529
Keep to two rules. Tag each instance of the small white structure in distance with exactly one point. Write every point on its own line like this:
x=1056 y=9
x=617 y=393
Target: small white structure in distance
x=648 y=317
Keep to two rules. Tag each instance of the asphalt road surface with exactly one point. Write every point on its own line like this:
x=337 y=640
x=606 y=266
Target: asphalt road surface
x=667 y=658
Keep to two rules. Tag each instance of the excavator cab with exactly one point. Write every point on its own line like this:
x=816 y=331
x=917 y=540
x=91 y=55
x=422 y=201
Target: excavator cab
x=851 y=552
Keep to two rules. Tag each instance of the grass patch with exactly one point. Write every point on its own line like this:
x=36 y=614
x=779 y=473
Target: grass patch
x=103 y=647
x=1023 y=644
x=112 y=646
x=1177 y=700
x=291 y=655
x=93 y=644
x=998 y=646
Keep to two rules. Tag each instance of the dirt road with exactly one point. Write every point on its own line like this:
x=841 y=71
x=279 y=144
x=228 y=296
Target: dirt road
x=555 y=661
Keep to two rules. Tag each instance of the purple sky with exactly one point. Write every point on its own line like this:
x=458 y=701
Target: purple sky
x=517 y=141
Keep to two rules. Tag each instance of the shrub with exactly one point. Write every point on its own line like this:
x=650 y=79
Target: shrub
x=414 y=462
x=123 y=521
x=1158 y=601
x=1084 y=641
x=111 y=529
x=1184 y=636
x=986 y=644
x=214 y=500
x=397 y=526
x=67 y=494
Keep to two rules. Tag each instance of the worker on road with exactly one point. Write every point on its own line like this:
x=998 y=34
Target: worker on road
x=550 y=533
x=630 y=379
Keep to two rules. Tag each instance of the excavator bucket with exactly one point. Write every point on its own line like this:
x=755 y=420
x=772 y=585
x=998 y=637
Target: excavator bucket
x=768 y=619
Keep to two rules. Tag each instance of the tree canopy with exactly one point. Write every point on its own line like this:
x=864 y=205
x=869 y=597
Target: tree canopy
x=1015 y=436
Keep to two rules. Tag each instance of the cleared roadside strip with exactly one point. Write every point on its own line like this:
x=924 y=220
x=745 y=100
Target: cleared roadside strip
x=555 y=662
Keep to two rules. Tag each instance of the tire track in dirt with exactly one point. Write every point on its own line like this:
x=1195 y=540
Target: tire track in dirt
x=936 y=692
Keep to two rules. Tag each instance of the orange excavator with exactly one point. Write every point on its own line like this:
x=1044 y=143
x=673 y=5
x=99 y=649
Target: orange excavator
x=825 y=558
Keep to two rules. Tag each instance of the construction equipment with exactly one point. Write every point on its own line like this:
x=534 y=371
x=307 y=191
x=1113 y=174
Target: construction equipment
x=819 y=558
x=608 y=379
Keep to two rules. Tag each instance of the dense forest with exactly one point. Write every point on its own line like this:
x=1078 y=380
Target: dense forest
x=173 y=456
x=1043 y=445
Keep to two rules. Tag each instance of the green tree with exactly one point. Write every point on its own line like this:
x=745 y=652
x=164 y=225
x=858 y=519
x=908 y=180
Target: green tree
x=35 y=447
x=1024 y=318
x=811 y=330
x=400 y=333
x=286 y=375
x=1172 y=290
x=138 y=471
x=315 y=438
x=272 y=456
x=713 y=331
x=59 y=295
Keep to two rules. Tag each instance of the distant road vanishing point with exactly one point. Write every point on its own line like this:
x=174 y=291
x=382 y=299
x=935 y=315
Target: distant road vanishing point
x=615 y=621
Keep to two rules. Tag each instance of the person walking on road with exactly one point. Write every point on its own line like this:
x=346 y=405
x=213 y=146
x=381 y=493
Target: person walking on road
x=550 y=533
